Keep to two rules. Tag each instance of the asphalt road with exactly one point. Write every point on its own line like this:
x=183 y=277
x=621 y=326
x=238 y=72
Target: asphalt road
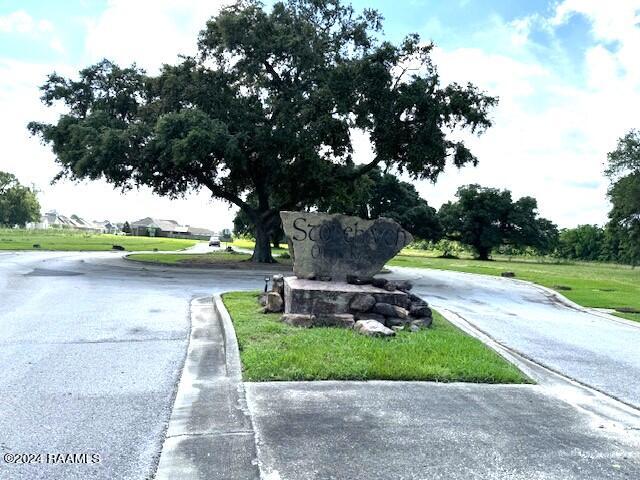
x=91 y=349
x=599 y=352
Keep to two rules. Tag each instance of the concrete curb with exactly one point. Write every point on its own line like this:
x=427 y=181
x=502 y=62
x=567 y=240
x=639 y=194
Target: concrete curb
x=232 y=351
x=210 y=433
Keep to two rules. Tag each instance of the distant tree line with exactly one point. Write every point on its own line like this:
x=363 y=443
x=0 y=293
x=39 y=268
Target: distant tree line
x=18 y=204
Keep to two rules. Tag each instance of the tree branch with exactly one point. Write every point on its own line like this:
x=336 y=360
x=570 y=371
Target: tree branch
x=272 y=71
x=219 y=192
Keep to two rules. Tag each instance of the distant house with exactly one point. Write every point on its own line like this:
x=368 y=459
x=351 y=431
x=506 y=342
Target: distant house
x=53 y=219
x=200 y=233
x=155 y=227
x=108 y=227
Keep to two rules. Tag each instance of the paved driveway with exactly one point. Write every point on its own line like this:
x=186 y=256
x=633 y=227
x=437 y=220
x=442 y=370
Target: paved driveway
x=600 y=352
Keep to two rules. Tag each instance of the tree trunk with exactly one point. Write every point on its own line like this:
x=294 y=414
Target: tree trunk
x=483 y=253
x=262 y=250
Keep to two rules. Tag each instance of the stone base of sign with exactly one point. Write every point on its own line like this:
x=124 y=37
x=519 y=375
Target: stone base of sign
x=313 y=297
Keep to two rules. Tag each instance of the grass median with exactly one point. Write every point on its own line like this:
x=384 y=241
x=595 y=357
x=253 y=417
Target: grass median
x=67 y=240
x=271 y=350
x=212 y=259
x=590 y=284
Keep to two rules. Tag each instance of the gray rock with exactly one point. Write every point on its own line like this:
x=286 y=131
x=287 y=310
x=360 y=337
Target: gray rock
x=362 y=303
x=421 y=323
x=370 y=316
x=508 y=274
x=397 y=328
x=299 y=320
x=420 y=310
x=342 y=320
x=379 y=282
x=396 y=321
x=390 y=287
x=404 y=285
x=335 y=246
x=373 y=329
x=277 y=284
x=414 y=298
x=385 y=309
x=389 y=310
x=274 y=303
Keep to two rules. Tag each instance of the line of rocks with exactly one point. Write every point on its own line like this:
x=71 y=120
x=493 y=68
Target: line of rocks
x=369 y=314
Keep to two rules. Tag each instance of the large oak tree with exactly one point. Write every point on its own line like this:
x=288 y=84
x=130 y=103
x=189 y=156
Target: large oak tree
x=267 y=110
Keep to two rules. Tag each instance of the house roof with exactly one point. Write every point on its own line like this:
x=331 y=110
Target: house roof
x=165 y=225
x=200 y=231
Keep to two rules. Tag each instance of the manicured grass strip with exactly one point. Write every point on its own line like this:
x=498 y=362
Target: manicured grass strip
x=629 y=316
x=250 y=245
x=213 y=259
x=189 y=258
x=589 y=284
x=65 y=240
x=272 y=350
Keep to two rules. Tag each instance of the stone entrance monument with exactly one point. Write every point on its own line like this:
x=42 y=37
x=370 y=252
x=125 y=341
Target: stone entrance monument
x=335 y=258
x=333 y=247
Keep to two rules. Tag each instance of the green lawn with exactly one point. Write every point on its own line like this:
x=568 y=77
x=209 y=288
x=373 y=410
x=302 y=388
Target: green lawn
x=250 y=245
x=272 y=350
x=192 y=258
x=590 y=284
x=18 y=239
x=202 y=259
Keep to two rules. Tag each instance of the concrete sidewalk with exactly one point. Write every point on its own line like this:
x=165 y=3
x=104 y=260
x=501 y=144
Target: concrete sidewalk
x=421 y=430
x=210 y=435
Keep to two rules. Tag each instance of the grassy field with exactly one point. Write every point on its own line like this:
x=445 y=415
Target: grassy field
x=272 y=350
x=17 y=239
x=590 y=284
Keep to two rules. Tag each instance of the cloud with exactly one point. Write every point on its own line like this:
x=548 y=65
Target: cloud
x=551 y=132
x=148 y=32
x=20 y=22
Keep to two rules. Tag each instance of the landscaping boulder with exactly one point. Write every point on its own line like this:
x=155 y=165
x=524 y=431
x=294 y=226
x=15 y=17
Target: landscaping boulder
x=299 y=320
x=379 y=282
x=370 y=316
x=396 y=321
x=274 y=303
x=389 y=310
x=373 y=329
x=342 y=320
x=362 y=303
x=421 y=323
x=277 y=284
x=390 y=287
x=404 y=285
x=420 y=310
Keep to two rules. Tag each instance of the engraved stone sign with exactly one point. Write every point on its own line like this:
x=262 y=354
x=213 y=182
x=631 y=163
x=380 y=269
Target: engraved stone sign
x=332 y=247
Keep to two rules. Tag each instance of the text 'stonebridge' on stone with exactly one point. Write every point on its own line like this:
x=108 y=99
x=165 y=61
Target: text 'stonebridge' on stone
x=332 y=247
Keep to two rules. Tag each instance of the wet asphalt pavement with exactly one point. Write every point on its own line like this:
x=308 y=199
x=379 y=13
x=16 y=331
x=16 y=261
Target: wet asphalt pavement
x=595 y=349
x=91 y=350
